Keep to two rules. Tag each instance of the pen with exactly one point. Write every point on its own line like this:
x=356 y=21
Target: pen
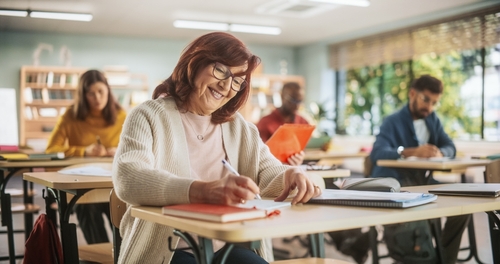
x=98 y=139
x=231 y=169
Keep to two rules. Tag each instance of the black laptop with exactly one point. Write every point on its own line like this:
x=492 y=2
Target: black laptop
x=469 y=189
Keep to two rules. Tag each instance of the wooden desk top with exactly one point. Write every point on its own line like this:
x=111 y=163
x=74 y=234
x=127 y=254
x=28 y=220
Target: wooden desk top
x=337 y=173
x=309 y=219
x=433 y=165
x=61 y=181
x=319 y=154
x=52 y=163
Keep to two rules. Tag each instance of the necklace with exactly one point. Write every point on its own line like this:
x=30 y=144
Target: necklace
x=200 y=137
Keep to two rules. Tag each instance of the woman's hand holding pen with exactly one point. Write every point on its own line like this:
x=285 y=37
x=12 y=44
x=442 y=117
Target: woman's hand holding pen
x=295 y=178
x=228 y=190
x=95 y=150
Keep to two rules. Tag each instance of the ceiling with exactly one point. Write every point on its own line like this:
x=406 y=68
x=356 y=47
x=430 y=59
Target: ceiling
x=154 y=18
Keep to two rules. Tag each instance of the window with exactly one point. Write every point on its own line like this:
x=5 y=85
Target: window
x=463 y=53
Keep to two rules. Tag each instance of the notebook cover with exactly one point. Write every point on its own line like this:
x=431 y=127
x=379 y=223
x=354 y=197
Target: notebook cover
x=213 y=212
x=469 y=189
x=372 y=199
x=289 y=139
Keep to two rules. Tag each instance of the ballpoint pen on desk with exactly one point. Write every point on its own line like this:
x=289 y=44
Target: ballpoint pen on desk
x=231 y=169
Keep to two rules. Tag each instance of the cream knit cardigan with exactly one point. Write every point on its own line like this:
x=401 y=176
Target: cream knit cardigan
x=152 y=167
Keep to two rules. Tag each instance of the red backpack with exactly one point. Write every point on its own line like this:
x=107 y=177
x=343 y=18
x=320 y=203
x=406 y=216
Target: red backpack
x=43 y=244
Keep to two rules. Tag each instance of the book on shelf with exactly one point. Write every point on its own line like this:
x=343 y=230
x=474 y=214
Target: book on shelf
x=213 y=212
x=372 y=199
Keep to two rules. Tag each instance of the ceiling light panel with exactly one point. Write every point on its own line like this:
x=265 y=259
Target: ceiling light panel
x=254 y=29
x=201 y=25
x=363 y=3
x=16 y=13
x=61 y=16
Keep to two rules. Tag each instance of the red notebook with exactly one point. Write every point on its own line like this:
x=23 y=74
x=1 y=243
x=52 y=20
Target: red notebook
x=289 y=139
x=213 y=212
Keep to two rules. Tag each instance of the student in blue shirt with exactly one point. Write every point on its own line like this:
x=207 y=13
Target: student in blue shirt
x=415 y=130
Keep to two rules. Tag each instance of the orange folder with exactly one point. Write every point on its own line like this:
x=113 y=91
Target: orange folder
x=289 y=139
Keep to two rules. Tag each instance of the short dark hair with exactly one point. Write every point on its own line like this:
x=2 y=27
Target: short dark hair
x=81 y=107
x=429 y=83
x=291 y=86
x=212 y=47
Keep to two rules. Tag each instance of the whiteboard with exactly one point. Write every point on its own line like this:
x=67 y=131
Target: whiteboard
x=8 y=117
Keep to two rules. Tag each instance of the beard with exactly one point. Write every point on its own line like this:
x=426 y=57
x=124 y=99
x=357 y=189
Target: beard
x=417 y=112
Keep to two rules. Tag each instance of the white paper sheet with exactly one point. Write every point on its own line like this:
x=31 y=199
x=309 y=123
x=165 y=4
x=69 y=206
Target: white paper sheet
x=88 y=171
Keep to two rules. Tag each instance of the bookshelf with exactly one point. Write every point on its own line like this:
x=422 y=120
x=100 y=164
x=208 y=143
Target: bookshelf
x=265 y=94
x=46 y=92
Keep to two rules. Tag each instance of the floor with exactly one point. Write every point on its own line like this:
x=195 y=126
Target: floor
x=291 y=250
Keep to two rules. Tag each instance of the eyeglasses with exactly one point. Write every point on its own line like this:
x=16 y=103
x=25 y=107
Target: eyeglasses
x=293 y=100
x=222 y=72
x=428 y=100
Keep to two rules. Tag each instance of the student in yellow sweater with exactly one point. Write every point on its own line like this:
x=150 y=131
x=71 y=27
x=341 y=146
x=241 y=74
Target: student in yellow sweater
x=90 y=127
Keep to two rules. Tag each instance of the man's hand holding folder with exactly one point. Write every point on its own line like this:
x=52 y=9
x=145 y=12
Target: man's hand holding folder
x=289 y=139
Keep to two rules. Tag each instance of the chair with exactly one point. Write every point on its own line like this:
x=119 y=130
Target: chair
x=107 y=253
x=492 y=175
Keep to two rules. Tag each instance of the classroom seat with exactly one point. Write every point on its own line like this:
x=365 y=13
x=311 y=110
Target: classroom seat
x=96 y=253
x=310 y=261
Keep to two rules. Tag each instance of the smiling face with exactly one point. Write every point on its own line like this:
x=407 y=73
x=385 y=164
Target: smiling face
x=97 y=96
x=210 y=93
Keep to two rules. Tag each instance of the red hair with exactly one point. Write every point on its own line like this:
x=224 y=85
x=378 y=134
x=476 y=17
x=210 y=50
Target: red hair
x=213 y=47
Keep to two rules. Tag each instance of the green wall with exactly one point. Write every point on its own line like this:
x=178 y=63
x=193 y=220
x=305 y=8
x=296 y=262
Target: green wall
x=153 y=57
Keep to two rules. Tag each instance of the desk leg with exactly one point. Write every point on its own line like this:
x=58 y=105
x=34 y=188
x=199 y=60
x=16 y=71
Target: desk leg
x=28 y=217
x=205 y=249
x=494 y=222
x=6 y=215
x=68 y=230
x=316 y=244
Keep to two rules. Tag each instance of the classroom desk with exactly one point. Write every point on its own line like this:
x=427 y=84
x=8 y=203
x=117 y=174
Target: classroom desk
x=337 y=173
x=59 y=185
x=447 y=165
x=9 y=169
x=319 y=154
x=317 y=219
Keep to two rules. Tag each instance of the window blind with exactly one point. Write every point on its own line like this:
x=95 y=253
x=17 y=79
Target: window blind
x=468 y=31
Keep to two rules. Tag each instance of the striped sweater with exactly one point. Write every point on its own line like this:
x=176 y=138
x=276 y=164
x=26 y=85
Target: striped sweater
x=151 y=167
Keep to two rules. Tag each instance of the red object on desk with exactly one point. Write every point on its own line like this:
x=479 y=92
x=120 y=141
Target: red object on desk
x=9 y=148
x=213 y=212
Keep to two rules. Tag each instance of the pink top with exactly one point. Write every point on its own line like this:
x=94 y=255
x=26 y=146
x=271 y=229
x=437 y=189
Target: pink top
x=206 y=155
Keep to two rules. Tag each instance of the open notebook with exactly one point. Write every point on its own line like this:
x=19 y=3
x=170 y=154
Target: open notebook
x=469 y=189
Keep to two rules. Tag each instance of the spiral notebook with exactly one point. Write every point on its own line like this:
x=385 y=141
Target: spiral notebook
x=372 y=199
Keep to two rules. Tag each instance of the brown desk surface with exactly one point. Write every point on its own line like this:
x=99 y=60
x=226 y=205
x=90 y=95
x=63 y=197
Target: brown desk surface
x=310 y=219
x=433 y=165
x=61 y=181
x=319 y=154
x=337 y=173
x=52 y=163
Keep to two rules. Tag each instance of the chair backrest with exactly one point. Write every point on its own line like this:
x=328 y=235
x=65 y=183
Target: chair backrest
x=368 y=166
x=117 y=208
x=492 y=172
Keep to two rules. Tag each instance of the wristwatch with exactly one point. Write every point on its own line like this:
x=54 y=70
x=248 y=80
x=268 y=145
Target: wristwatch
x=400 y=151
